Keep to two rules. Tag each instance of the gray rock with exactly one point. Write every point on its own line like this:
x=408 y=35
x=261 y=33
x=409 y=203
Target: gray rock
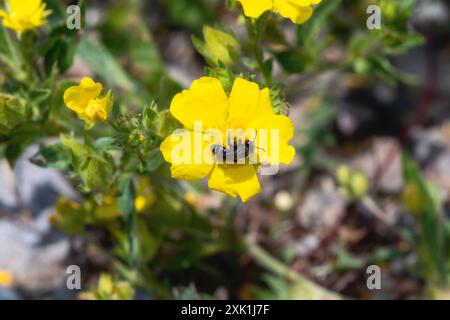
x=36 y=267
x=8 y=198
x=39 y=188
x=8 y=294
x=322 y=206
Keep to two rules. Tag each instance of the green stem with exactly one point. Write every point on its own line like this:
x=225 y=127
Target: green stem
x=311 y=290
x=28 y=57
x=255 y=31
x=14 y=59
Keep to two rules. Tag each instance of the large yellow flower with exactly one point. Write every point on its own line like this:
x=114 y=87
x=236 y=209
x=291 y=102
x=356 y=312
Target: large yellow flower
x=84 y=100
x=209 y=116
x=299 y=11
x=22 y=15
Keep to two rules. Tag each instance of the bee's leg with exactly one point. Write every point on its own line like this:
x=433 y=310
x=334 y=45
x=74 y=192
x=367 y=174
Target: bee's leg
x=231 y=142
x=229 y=157
x=241 y=153
x=221 y=156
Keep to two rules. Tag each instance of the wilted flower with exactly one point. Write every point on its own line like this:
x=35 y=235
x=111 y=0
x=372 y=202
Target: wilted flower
x=22 y=15
x=248 y=110
x=84 y=100
x=299 y=11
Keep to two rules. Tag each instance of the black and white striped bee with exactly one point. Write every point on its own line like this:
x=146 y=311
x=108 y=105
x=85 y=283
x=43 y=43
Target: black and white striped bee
x=238 y=152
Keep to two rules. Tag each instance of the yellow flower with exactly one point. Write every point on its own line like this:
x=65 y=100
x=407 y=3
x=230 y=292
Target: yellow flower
x=210 y=117
x=22 y=15
x=109 y=289
x=84 y=100
x=299 y=11
x=191 y=198
x=413 y=199
x=6 y=278
x=145 y=196
x=108 y=209
x=354 y=183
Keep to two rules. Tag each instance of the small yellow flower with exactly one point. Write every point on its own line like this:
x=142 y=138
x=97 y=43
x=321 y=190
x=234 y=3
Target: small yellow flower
x=413 y=199
x=108 y=209
x=354 y=184
x=191 y=198
x=139 y=203
x=247 y=109
x=23 y=15
x=145 y=196
x=109 y=289
x=6 y=278
x=85 y=102
x=299 y=11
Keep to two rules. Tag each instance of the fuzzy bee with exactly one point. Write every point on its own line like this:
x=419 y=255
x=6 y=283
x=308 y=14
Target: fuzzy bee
x=238 y=152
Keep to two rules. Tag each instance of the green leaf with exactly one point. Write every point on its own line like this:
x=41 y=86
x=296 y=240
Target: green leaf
x=106 y=144
x=126 y=204
x=432 y=249
x=307 y=32
x=165 y=124
x=60 y=50
x=97 y=174
x=294 y=61
x=220 y=46
x=94 y=167
x=78 y=149
x=155 y=160
x=190 y=14
x=52 y=156
x=149 y=243
x=68 y=216
x=13 y=110
x=6 y=50
x=404 y=44
x=126 y=195
x=346 y=261
x=104 y=64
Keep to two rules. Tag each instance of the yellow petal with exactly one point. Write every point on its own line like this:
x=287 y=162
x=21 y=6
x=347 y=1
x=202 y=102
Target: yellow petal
x=298 y=11
x=247 y=103
x=235 y=180
x=24 y=15
x=23 y=7
x=343 y=174
x=359 y=184
x=413 y=199
x=97 y=110
x=77 y=97
x=6 y=278
x=272 y=139
x=255 y=8
x=189 y=153
x=205 y=102
x=139 y=203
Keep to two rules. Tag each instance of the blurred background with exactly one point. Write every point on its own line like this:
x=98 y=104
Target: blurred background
x=358 y=97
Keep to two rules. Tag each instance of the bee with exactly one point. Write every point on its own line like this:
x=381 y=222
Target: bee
x=238 y=153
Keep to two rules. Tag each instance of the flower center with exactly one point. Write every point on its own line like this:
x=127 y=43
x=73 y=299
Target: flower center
x=96 y=110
